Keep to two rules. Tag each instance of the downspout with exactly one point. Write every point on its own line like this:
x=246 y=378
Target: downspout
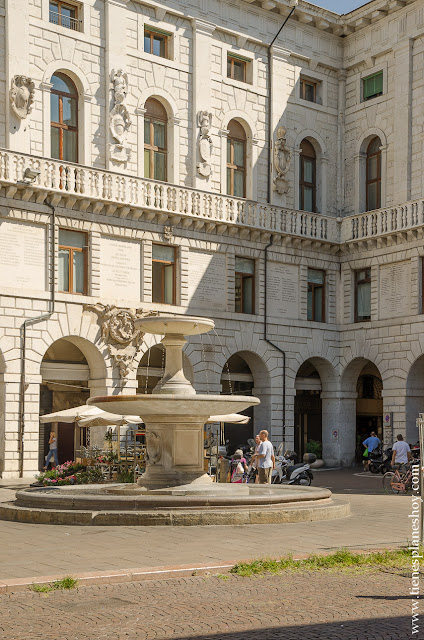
x=270 y=86
x=25 y=324
x=270 y=341
x=270 y=70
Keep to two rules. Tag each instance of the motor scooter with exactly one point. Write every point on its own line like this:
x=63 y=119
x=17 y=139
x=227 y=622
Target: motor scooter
x=287 y=473
x=380 y=462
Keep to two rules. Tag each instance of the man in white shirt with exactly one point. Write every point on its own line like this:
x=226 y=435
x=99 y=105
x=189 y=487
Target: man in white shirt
x=265 y=458
x=401 y=451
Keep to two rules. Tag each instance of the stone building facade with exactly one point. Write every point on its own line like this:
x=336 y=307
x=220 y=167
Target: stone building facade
x=164 y=157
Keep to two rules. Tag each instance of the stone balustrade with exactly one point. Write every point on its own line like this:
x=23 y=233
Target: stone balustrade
x=115 y=192
x=383 y=222
x=123 y=195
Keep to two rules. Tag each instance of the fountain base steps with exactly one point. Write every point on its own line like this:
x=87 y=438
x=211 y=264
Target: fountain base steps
x=186 y=505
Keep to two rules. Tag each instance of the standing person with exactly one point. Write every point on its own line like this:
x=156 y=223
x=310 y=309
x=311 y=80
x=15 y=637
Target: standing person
x=238 y=466
x=265 y=458
x=53 y=450
x=401 y=453
x=370 y=445
x=253 y=472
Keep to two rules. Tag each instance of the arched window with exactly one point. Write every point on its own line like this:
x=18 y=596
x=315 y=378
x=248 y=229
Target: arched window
x=155 y=143
x=373 y=175
x=308 y=181
x=64 y=118
x=236 y=160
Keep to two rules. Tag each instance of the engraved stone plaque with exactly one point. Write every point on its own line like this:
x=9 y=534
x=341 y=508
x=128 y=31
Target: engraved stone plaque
x=120 y=268
x=207 y=280
x=283 y=290
x=23 y=260
x=395 y=290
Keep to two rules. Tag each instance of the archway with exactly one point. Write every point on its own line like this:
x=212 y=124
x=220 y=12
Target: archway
x=2 y=412
x=66 y=369
x=307 y=408
x=414 y=398
x=245 y=373
x=362 y=385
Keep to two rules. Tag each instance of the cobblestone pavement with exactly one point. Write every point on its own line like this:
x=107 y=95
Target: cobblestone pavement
x=336 y=606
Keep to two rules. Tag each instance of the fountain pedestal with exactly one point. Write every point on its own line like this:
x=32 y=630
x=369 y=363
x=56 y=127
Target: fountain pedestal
x=175 y=451
x=174 y=414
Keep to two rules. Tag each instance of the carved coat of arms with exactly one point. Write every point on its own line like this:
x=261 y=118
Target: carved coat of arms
x=22 y=96
x=119 y=333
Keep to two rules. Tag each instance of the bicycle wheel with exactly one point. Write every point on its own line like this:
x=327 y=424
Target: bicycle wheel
x=391 y=482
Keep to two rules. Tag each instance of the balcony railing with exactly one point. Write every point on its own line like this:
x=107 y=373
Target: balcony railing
x=383 y=221
x=64 y=21
x=104 y=188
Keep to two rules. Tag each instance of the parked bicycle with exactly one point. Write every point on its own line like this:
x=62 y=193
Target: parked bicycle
x=397 y=481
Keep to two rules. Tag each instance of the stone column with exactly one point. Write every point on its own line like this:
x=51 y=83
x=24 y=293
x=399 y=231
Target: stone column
x=402 y=83
x=341 y=109
x=202 y=84
x=394 y=401
x=339 y=412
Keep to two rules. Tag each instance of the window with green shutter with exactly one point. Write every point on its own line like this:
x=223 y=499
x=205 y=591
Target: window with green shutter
x=372 y=86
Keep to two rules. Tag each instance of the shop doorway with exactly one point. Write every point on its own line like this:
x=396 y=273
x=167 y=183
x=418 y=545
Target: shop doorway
x=369 y=407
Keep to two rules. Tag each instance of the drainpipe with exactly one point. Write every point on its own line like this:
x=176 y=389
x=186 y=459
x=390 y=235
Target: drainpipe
x=270 y=70
x=270 y=341
x=28 y=322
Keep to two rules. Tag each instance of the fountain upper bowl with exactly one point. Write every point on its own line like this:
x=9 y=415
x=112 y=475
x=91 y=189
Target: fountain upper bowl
x=178 y=325
x=202 y=405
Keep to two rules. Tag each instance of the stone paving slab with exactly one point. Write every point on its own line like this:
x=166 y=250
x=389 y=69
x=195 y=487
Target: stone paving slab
x=306 y=606
x=32 y=550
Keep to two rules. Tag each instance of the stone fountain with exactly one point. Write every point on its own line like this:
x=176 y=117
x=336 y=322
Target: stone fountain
x=174 y=490
x=174 y=414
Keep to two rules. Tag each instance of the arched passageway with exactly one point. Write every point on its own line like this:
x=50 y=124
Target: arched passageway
x=414 y=399
x=307 y=408
x=66 y=370
x=245 y=373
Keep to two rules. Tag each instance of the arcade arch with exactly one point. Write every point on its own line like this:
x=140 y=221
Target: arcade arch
x=414 y=398
x=245 y=373
x=67 y=368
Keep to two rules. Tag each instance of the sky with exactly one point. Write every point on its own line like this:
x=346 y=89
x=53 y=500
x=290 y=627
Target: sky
x=339 y=6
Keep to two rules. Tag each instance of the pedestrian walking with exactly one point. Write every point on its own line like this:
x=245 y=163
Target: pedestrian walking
x=238 y=466
x=52 y=451
x=371 y=443
x=401 y=453
x=265 y=458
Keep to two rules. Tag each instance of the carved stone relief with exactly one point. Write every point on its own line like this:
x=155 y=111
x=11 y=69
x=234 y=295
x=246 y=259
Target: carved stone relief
x=154 y=447
x=119 y=333
x=168 y=233
x=282 y=159
x=204 y=143
x=120 y=121
x=22 y=96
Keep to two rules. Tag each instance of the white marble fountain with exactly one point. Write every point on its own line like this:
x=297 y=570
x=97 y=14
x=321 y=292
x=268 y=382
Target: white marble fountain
x=174 y=490
x=174 y=414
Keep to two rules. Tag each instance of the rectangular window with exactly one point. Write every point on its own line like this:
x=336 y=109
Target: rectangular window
x=156 y=43
x=308 y=90
x=72 y=261
x=64 y=14
x=316 y=295
x=363 y=295
x=245 y=285
x=372 y=86
x=163 y=274
x=236 y=68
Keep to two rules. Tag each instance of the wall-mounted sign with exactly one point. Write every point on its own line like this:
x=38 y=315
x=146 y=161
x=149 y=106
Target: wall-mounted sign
x=387 y=419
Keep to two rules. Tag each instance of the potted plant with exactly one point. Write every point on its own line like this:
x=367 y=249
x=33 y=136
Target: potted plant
x=315 y=446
